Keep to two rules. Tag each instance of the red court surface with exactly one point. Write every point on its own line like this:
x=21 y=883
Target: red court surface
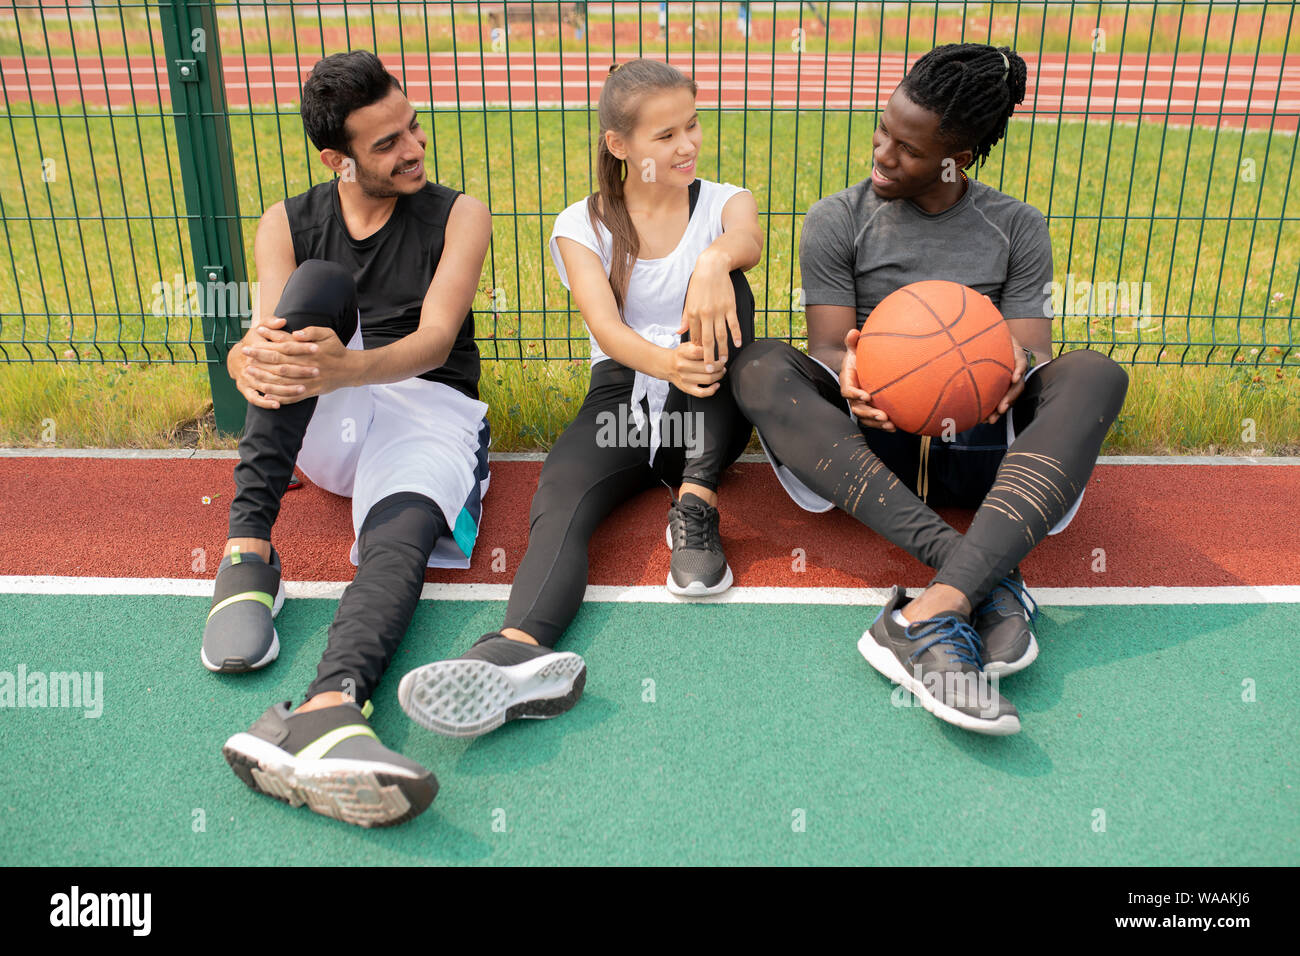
x=1214 y=90
x=1155 y=525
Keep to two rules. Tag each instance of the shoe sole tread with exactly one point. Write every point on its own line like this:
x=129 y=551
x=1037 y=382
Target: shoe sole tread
x=351 y=792
x=466 y=698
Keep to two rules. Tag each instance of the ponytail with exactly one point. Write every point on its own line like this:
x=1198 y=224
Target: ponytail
x=625 y=89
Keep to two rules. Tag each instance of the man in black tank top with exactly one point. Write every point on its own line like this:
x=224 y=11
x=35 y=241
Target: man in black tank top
x=391 y=268
x=366 y=376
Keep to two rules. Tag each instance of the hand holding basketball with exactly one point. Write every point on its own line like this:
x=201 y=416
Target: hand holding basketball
x=859 y=400
x=1017 y=383
x=938 y=358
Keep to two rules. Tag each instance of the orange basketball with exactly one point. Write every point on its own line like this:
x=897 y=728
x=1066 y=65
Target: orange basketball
x=936 y=357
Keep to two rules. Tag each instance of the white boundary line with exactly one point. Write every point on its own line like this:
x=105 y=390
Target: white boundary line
x=140 y=453
x=647 y=594
x=191 y=453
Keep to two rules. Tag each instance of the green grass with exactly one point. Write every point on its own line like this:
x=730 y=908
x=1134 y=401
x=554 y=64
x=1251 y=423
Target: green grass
x=106 y=406
x=1168 y=411
x=1144 y=204
x=1128 y=203
x=895 y=27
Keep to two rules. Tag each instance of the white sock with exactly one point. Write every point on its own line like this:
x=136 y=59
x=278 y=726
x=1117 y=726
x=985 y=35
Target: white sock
x=900 y=620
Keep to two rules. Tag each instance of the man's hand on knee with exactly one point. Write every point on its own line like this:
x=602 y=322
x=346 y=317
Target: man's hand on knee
x=263 y=348
x=288 y=368
x=1017 y=385
x=332 y=364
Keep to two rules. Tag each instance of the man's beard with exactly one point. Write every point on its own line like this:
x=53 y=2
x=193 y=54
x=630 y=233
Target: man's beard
x=376 y=187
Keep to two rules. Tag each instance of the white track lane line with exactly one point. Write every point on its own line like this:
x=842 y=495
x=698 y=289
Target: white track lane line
x=190 y=453
x=652 y=594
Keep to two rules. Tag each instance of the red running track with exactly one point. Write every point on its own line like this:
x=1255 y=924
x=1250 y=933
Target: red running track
x=1159 y=525
x=1214 y=90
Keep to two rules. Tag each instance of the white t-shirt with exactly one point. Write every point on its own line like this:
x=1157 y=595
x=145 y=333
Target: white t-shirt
x=656 y=291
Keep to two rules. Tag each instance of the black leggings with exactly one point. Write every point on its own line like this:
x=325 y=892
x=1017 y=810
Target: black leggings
x=397 y=535
x=318 y=294
x=1060 y=421
x=587 y=475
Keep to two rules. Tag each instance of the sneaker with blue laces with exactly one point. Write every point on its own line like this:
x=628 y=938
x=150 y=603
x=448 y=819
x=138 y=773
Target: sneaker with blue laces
x=938 y=660
x=1003 y=621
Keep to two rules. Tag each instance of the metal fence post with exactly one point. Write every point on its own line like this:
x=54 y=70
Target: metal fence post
x=198 y=95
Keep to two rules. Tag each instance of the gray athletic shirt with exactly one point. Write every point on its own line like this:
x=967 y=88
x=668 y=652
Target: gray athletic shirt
x=857 y=248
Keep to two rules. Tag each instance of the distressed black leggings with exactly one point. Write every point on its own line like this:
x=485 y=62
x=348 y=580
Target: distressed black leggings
x=1060 y=420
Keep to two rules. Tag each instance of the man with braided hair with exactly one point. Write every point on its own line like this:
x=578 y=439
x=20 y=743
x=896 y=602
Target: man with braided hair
x=919 y=217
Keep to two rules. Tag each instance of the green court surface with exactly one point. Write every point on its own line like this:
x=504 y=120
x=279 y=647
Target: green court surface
x=708 y=734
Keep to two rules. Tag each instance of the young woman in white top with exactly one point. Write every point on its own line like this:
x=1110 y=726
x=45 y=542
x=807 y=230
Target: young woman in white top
x=655 y=261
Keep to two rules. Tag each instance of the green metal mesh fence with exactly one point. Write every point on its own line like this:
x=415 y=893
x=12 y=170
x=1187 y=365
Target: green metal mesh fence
x=1158 y=139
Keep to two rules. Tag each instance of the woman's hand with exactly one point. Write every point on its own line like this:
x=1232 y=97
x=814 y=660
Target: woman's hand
x=859 y=400
x=690 y=373
x=709 y=315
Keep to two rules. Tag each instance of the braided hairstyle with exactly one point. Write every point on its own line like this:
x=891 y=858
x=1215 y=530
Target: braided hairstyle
x=973 y=87
x=625 y=89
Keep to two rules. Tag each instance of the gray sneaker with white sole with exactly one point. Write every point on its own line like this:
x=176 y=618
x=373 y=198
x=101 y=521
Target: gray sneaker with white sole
x=331 y=761
x=698 y=567
x=1003 y=621
x=496 y=680
x=938 y=660
x=239 y=634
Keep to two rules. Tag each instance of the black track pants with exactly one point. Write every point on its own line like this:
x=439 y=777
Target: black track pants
x=318 y=293
x=397 y=535
x=393 y=550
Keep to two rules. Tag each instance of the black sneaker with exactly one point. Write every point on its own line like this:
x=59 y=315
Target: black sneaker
x=698 y=566
x=938 y=660
x=494 y=681
x=1002 y=621
x=332 y=761
x=240 y=634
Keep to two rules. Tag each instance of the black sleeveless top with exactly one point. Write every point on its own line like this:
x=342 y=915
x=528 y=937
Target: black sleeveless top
x=392 y=268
